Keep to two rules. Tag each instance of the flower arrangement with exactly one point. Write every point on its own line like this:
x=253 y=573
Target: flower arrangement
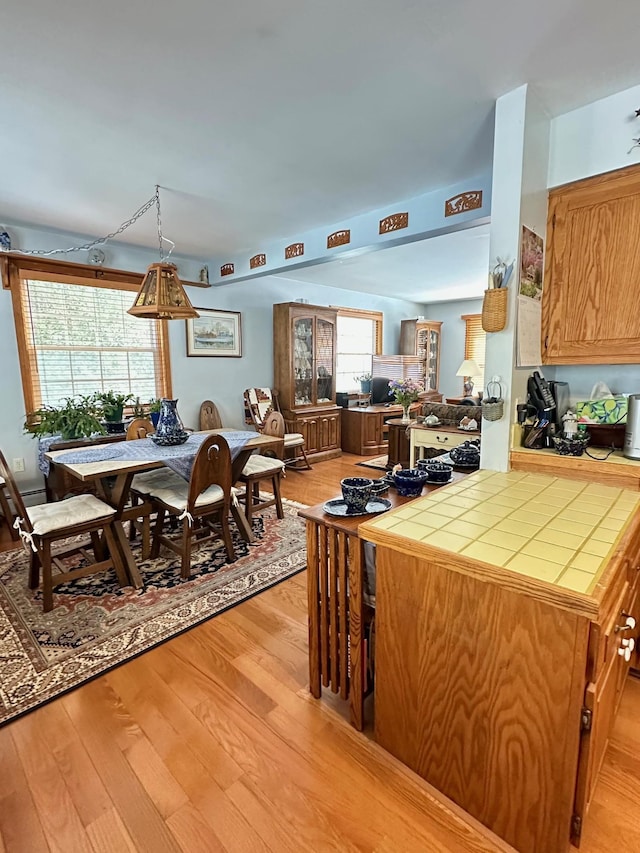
x=406 y=391
x=366 y=377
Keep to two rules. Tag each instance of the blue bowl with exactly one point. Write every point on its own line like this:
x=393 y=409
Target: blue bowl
x=169 y=440
x=409 y=482
x=437 y=472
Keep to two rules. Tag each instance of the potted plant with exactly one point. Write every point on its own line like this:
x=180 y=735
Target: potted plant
x=365 y=382
x=112 y=406
x=75 y=418
x=155 y=404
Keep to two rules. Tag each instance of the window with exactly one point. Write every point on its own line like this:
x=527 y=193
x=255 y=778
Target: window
x=75 y=336
x=359 y=337
x=474 y=345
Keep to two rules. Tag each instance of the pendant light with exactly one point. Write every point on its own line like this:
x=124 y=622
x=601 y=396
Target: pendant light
x=161 y=295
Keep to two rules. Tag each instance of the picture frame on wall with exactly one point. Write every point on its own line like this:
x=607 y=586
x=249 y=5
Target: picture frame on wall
x=215 y=333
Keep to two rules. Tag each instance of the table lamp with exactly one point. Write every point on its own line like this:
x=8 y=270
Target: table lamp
x=468 y=369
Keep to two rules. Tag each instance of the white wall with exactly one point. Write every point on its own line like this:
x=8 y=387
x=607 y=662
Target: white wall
x=194 y=379
x=588 y=141
x=594 y=139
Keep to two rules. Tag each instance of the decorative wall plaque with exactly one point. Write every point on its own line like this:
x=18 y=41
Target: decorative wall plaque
x=463 y=202
x=294 y=251
x=258 y=260
x=339 y=238
x=227 y=269
x=394 y=222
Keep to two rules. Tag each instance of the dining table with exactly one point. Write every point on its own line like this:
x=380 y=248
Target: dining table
x=111 y=469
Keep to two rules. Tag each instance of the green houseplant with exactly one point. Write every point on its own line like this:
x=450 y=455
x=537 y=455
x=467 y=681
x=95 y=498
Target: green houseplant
x=112 y=406
x=76 y=417
x=365 y=383
x=155 y=404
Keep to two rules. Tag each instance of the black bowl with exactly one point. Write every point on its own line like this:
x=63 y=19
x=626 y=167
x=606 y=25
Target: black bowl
x=379 y=487
x=356 y=492
x=438 y=472
x=409 y=482
x=169 y=440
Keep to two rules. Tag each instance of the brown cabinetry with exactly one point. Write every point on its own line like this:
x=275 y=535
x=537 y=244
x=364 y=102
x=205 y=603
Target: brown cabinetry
x=304 y=355
x=592 y=269
x=422 y=338
x=364 y=429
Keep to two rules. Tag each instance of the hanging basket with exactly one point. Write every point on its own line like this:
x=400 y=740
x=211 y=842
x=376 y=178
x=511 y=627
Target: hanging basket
x=493 y=407
x=494 y=309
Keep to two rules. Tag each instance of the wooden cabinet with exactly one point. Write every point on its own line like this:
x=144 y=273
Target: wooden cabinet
x=364 y=429
x=432 y=441
x=592 y=269
x=304 y=356
x=422 y=338
x=488 y=680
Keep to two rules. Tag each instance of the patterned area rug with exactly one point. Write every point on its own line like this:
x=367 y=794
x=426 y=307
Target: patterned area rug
x=95 y=625
x=378 y=462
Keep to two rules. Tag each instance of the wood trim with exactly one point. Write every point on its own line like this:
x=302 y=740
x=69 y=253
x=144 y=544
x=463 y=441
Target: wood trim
x=14 y=266
x=376 y=316
x=23 y=351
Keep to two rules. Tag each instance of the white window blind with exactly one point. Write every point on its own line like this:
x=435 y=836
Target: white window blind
x=475 y=339
x=358 y=338
x=79 y=339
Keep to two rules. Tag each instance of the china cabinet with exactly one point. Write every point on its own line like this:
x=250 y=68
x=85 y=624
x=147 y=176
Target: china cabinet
x=422 y=338
x=304 y=356
x=592 y=265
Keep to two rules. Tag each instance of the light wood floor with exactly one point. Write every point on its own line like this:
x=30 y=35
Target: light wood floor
x=211 y=742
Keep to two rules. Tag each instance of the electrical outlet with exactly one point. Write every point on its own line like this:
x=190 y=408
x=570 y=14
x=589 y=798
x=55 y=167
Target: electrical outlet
x=18 y=465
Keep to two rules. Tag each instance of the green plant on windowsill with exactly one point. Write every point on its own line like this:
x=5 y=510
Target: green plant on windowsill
x=155 y=404
x=77 y=417
x=112 y=404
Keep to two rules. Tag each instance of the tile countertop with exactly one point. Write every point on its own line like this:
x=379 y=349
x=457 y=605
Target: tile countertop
x=555 y=530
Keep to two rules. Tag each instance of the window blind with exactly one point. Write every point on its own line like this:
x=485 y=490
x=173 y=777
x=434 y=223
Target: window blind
x=77 y=339
x=475 y=339
x=359 y=336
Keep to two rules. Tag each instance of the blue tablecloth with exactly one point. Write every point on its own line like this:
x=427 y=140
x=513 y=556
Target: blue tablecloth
x=179 y=458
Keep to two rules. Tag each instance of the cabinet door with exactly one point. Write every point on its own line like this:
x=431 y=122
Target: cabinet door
x=303 y=368
x=428 y=348
x=592 y=270
x=325 y=360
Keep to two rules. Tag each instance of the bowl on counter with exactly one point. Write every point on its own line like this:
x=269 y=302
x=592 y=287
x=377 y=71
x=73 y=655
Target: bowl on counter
x=380 y=487
x=409 y=482
x=574 y=446
x=466 y=454
x=437 y=472
x=356 y=492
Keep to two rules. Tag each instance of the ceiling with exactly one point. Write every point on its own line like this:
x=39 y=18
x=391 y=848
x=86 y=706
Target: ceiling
x=442 y=269
x=262 y=120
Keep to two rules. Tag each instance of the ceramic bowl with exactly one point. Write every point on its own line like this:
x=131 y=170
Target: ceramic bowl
x=356 y=492
x=574 y=446
x=437 y=472
x=379 y=487
x=409 y=482
x=169 y=440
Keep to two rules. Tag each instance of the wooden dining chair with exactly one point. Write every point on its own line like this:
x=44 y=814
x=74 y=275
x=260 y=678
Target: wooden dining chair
x=42 y=525
x=139 y=428
x=5 y=509
x=203 y=504
x=294 y=455
x=209 y=416
x=258 y=469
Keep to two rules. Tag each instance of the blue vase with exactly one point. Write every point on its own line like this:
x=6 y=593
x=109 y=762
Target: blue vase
x=170 y=429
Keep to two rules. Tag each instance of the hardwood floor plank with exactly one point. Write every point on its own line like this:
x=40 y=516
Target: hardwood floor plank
x=106 y=730
x=20 y=826
x=193 y=833
x=108 y=834
x=156 y=778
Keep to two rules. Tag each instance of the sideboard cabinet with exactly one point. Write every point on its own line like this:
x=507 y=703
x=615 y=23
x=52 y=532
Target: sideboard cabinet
x=592 y=269
x=422 y=338
x=304 y=358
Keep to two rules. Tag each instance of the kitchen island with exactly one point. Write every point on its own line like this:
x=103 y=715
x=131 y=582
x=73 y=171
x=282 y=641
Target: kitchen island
x=504 y=633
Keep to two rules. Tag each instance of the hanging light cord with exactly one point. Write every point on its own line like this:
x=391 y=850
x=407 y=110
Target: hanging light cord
x=155 y=199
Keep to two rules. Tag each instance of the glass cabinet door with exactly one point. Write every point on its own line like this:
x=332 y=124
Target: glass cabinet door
x=432 y=361
x=303 y=345
x=325 y=359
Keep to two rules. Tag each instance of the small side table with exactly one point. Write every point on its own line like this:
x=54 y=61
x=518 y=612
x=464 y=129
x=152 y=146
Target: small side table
x=399 y=444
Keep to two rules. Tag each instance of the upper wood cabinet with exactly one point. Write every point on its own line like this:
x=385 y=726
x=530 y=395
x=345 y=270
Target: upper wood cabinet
x=422 y=338
x=592 y=271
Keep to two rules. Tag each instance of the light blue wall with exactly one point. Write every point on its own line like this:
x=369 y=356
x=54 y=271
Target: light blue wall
x=194 y=379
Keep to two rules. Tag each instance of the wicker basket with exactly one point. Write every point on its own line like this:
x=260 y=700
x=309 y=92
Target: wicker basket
x=494 y=410
x=494 y=309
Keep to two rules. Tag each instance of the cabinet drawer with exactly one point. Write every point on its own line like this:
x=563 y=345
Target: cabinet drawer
x=439 y=439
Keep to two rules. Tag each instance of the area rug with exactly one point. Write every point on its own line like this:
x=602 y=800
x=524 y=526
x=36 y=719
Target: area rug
x=95 y=625
x=378 y=462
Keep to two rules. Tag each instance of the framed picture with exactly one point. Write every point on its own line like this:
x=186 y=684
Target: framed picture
x=214 y=333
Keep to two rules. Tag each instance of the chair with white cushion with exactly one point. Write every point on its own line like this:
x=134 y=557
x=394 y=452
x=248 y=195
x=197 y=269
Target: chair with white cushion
x=294 y=452
x=203 y=504
x=45 y=524
x=5 y=509
x=260 y=468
